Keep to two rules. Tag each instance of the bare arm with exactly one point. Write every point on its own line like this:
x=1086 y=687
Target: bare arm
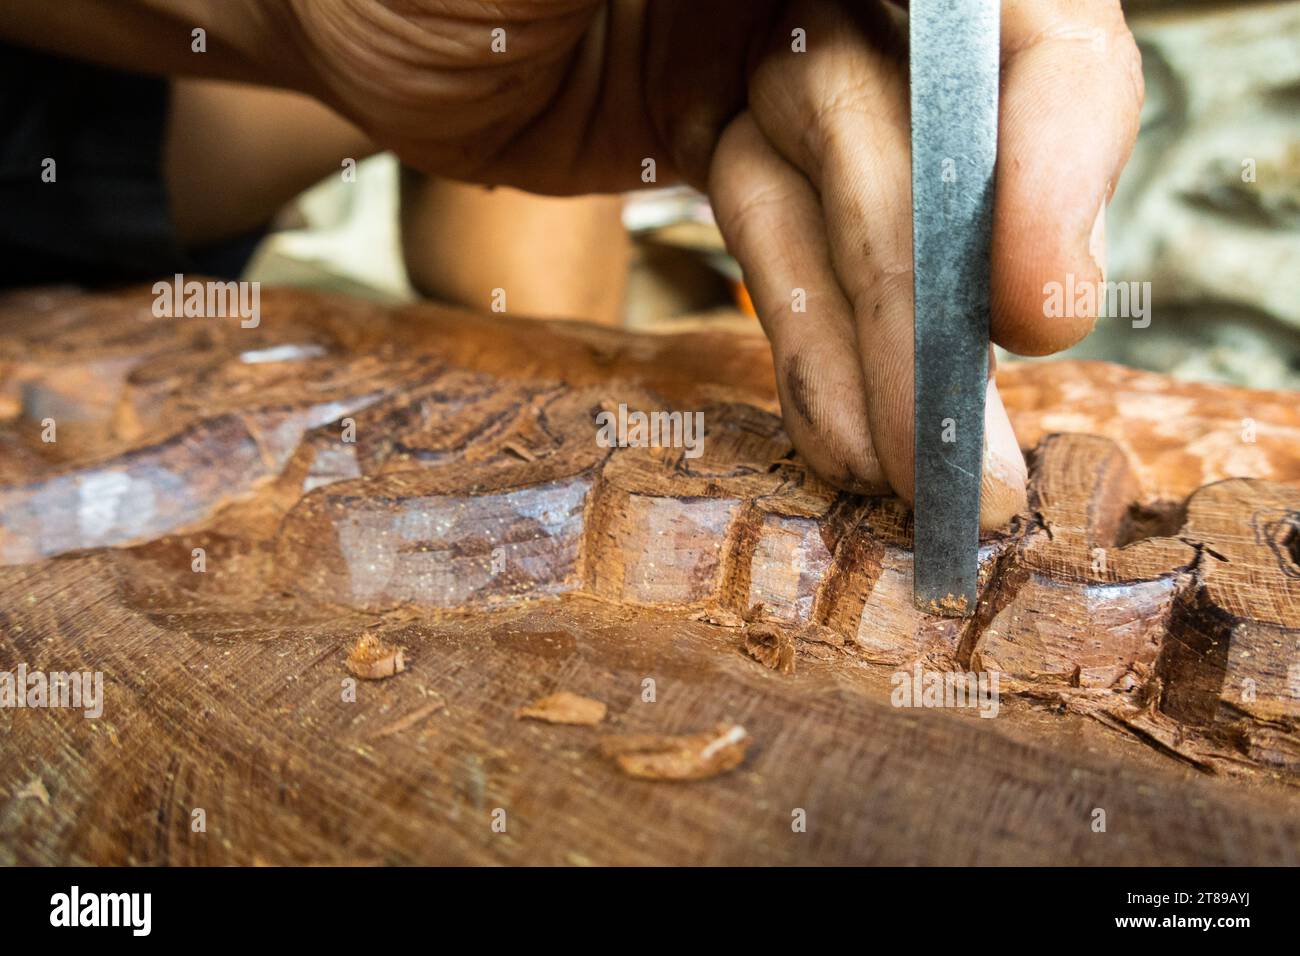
x=563 y=257
x=248 y=40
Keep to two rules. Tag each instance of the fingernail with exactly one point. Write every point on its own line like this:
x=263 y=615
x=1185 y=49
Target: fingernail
x=1097 y=239
x=1002 y=486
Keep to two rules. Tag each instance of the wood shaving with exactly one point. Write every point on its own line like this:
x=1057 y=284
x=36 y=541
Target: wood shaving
x=373 y=659
x=719 y=616
x=564 y=708
x=522 y=452
x=771 y=646
x=34 y=791
x=821 y=634
x=685 y=757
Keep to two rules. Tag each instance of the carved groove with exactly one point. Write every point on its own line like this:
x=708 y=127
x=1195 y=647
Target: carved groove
x=469 y=489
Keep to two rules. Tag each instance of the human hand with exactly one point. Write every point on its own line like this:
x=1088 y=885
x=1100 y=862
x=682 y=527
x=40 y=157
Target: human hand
x=805 y=156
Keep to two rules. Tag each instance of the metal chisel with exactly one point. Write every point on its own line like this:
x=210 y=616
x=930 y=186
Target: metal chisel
x=954 y=82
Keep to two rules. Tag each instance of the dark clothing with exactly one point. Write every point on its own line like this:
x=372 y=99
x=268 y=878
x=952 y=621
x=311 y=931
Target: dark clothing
x=105 y=216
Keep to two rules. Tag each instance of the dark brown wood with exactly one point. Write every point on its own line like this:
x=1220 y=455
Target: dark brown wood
x=1143 y=616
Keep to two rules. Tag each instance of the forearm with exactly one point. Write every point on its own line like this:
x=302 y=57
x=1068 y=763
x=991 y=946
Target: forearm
x=249 y=40
x=552 y=257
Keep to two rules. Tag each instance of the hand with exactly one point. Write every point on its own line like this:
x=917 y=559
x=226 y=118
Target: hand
x=811 y=185
x=805 y=157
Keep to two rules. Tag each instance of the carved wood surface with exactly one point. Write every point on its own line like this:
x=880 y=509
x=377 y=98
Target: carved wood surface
x=1143 y=616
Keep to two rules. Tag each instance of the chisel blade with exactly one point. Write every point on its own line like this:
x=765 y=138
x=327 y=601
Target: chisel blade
x=954 y=84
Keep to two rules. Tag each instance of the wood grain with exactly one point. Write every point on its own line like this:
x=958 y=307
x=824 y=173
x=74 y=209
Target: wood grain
x=1143 y=615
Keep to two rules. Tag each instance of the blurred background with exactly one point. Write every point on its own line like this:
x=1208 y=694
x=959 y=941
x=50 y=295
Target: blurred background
x=1208 y=212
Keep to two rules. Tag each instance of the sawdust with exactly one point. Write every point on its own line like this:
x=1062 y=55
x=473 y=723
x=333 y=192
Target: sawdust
x=771 y=646
x=678 y=757
x=564 y=707
x=373 y=659
x=950 y=605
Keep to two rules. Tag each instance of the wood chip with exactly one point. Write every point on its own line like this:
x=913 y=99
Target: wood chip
x=771 y=646
x=564 y=708
x=374 y=659
x=687 y=757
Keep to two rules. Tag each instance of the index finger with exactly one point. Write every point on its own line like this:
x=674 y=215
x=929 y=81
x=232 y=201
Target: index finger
x=1071 y=94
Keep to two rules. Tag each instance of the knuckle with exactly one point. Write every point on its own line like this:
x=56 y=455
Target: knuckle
x=751 y=210
x=839 y=119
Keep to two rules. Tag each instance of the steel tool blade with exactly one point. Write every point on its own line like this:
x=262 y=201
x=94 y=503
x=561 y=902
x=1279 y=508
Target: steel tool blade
x=954 y=83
